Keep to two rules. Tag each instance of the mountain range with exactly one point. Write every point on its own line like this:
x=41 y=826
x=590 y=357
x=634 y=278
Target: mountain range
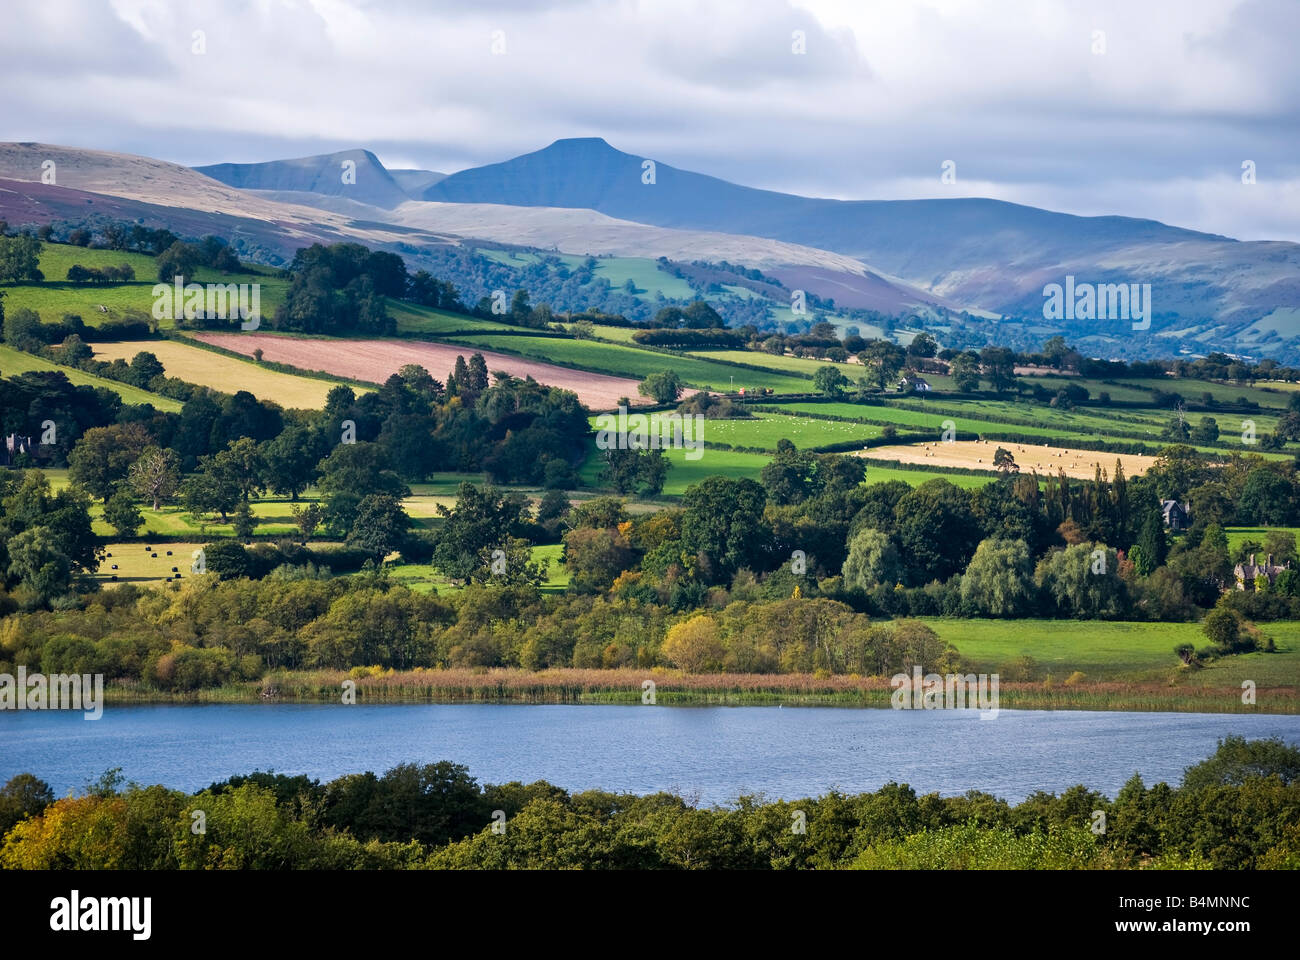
x=978 y=264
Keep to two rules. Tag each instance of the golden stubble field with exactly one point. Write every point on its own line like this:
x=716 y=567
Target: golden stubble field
x=227 y=374
x=1040 y=458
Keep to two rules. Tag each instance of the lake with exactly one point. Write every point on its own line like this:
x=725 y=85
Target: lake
x=711 y=754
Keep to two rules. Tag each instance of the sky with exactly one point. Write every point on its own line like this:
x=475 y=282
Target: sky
x=1142 y=108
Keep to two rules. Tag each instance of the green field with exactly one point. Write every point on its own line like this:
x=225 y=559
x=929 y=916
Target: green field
x=734 y=464
x=1036 y=420
x=413 y=318
x=425 y=578
x=645 y=275
x=684 y=473
x=783 y=316
x=617 y=334
x=623 y=361
x=522 y=258
x=801 y=366
x=1107 y=650
x=54 y=296
x=1131 y=389
x=764 y=430
x=1238 y=535
x=13 y=362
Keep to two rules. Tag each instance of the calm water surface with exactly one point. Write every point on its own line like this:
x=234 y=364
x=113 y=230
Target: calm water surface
x=713 y=754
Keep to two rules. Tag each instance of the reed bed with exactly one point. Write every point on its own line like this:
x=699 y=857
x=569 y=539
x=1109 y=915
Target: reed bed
x=675 y=688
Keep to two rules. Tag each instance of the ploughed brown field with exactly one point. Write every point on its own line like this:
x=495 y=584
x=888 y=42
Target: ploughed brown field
x=374 y=361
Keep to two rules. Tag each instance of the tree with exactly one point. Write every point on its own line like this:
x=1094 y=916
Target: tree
x=1280 y=545
x=241 y=463
x=307 y=518
x=999 y=580
x=1207 y=431
x=155 y=475
x=965 y=372
x=999 y=368
x=482 y=520
x=209 y=490
x=664 y=387
x=291 y=459
x=923 y=346
x=594 y=556
x=1083 y=581
x=103 y=457
x=121 y=513
x=351 y=472
x=1238 y=760
x=1153 y=543
x=1267 y=499
x=380 y=527
x=693 y=645
x=1004 y=461
x=20 y=258
x=227 y=559
x=829 y=381
x=22 y=797
x=244 y=523
x=1056 y=350
x=789 y=477
x=1223 y=628
x=180 y=259
x=37 y=561
x=873 y=559
x=936 y=530
x=635 y=471
x=144 y=367
x=723 y=526
x=883 y=358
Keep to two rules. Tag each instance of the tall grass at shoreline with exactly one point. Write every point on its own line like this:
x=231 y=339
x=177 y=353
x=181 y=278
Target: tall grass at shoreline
x=672 y=688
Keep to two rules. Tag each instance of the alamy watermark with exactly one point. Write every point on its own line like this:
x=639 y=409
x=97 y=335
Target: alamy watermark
x=1098 y=301
x=212 y=301
x=60 y=691
x=656 y=431
x=955 y=691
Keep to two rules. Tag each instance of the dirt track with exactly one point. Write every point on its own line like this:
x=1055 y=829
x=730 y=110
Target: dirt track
x=374 y=361
x=978 y=455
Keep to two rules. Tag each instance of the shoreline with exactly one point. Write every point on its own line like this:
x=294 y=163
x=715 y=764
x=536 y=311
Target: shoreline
x=624 y=686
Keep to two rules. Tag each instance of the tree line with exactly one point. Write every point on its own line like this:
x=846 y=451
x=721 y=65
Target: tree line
x=1237 y=810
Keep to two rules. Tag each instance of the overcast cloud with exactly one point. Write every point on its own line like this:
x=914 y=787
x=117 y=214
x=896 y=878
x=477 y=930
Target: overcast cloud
x=1011 y=91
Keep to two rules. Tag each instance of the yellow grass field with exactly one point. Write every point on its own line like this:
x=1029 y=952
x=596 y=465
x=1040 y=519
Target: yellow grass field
x=136 y=562
x=978 y=455
x=196 y=365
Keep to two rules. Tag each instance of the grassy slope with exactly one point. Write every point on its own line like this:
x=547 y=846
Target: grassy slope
x=15 y=361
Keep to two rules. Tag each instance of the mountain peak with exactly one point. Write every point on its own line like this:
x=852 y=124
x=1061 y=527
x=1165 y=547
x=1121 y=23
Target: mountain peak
x=575 y=142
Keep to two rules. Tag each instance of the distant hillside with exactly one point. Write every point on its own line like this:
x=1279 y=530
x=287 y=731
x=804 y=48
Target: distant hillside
x=414 y=182
x=365 y=180
x=978 y=252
